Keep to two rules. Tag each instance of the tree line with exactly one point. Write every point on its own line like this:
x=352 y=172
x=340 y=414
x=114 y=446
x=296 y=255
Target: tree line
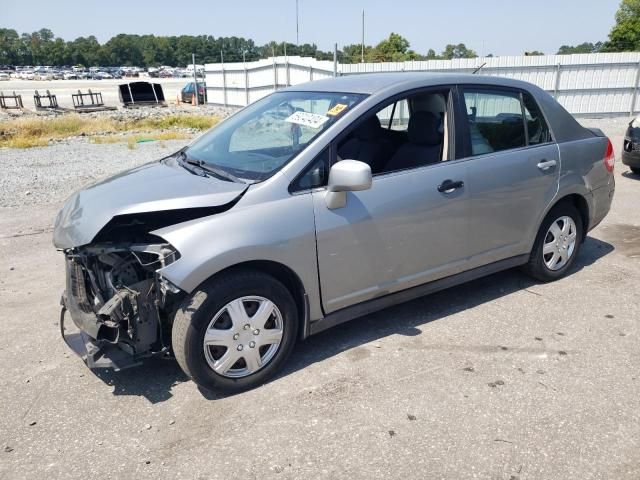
x=44 y=48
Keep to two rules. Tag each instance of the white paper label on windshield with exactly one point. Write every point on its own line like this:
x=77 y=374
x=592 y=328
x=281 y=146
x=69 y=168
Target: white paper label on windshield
x=312 y=120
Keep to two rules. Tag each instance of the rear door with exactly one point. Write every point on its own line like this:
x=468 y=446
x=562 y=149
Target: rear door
x=513 y=171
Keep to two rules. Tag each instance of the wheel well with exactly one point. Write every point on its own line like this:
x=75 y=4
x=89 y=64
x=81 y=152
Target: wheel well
x=283 y=274
x=582 y=206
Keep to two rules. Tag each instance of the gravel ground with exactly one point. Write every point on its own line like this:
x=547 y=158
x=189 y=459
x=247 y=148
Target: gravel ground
x=47 y=175
x=501 y=378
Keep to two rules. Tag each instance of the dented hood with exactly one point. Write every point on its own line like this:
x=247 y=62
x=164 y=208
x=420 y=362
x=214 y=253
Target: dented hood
x=162 y=186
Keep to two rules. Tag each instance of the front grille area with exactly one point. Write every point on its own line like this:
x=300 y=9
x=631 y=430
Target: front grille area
x=77 y=285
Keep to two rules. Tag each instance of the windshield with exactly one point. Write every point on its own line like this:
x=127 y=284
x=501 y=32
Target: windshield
x=259 y=140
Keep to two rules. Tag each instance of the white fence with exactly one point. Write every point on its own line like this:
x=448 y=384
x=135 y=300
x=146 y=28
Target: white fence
x=586 y=84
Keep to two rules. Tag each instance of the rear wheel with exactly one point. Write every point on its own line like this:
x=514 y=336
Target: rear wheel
x=635 y=170
x=557 y=243
x=236 y=331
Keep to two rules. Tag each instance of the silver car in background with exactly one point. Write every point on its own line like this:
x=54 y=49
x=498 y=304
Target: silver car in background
x=321 y=203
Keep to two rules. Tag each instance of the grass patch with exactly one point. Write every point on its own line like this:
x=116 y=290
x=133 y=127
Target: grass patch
x=132 y=140
x=196 y=122
x=36 y=132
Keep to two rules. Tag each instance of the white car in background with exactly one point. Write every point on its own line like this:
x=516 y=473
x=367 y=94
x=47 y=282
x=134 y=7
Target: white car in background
x=42 y=75
x=4 y=76
x=27 y=75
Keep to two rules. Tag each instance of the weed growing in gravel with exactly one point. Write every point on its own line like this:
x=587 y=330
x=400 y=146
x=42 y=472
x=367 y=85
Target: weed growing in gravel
x=132 y=140
x=195 y=122
x=37 y=132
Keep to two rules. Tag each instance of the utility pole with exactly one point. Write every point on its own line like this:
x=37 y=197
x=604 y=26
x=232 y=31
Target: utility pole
x=195 y=79
x=362 y=53
x=297 y=29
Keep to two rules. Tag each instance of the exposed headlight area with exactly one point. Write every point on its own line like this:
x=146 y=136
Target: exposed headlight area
x=115 y=295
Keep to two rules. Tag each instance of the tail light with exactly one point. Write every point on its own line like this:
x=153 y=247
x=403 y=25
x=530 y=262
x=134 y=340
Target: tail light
x=609 y=157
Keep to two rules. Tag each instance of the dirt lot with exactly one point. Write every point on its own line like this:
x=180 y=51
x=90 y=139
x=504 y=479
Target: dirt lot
x=500 y=378
x=63 y=89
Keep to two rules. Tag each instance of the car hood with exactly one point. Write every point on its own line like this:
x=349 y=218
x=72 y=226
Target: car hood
x=164 y=187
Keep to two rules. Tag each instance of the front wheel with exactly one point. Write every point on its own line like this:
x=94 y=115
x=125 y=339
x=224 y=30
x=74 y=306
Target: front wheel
x=236 y=331
x=557 y=243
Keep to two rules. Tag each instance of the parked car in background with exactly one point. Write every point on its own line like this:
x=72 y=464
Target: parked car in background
x=188 y=90
x=321 y=203
x=4 y=76
x=631 y=147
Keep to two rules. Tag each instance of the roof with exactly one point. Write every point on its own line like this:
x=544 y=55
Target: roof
x=370 y=83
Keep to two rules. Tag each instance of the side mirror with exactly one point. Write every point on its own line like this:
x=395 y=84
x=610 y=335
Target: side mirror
x=346 y=176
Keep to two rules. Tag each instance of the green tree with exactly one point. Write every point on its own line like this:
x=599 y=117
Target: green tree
x=353 y=53
x=395 y=48
x=458 y=51
x=585 y=47
x=431 y=54
x=625 y=34
x=9 y=47
x=85 y=51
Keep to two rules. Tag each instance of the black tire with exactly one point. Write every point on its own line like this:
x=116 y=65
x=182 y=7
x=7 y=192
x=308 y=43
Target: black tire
x=536 y=266
x=635 y=170
x=198 y=309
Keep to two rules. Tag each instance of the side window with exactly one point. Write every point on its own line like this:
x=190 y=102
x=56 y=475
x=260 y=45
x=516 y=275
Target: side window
x=494 y=120
x=384 y=116
x=395 y=116
x=537 y=129
x=315 y=175
x=398 y=137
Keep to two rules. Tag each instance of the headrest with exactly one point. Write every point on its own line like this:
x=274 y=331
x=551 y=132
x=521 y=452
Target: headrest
x=369 y=129
x=424 y=129
x=431 y=102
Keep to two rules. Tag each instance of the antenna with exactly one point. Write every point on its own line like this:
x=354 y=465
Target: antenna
x=362 y=53
x=479 y=68
x=297 y=29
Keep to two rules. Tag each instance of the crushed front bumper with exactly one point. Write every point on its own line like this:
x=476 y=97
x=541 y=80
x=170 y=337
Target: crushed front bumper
x=94 y=353
x=117 y=333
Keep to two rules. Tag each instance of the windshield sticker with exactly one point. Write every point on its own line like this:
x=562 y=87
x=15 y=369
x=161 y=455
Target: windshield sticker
x=312 y=120
x=337 y=110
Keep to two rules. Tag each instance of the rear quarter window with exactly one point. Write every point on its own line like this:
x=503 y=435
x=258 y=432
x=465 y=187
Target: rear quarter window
x=494 y=121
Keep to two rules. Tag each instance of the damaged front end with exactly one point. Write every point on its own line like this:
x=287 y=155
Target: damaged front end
x=119 y=302
x=115 y=293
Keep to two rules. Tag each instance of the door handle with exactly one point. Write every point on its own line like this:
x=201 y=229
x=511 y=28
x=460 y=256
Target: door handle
x=546 y=164
x=449 y=186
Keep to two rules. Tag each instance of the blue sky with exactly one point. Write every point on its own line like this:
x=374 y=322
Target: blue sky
x=501 y=27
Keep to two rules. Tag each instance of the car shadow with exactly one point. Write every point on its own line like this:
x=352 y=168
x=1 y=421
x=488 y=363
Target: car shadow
x=155 y=379
x=630 y=174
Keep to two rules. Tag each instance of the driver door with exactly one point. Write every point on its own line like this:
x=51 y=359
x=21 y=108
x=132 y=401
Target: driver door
x=402 y=232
